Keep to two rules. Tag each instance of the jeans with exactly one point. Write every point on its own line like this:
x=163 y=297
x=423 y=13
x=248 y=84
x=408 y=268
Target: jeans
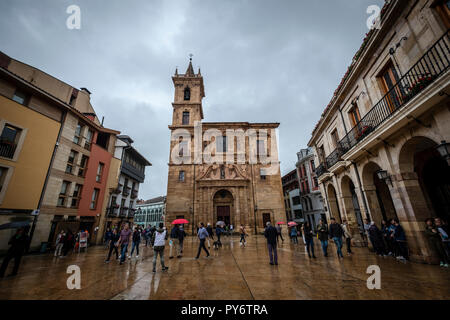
x=202 y=246
x=273 y=256
x=123 y=252
x=58 y=249
x=310 y=246
x=135 y=245
x=180 y=247
x=161 y=258
x=338 y=242
x=324 y=244
x=242 y=240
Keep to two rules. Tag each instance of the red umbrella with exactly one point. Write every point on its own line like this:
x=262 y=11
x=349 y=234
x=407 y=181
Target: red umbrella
x=180 y=221
x=281 y=222
x=292 y=224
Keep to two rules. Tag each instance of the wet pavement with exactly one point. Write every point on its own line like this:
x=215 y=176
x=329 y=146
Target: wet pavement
x=232 y=273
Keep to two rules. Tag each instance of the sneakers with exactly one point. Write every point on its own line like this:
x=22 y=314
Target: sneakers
x=178 y=257
x=165 y=268
x=137 y=257
x=442 y=264
x=154 y=271
x=106 y=261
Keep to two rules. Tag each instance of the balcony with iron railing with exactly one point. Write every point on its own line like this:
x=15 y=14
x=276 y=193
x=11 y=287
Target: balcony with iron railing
x=434 y=63
x=112 y=211
x=126 y=191
x=7 y=149
x=134 y=194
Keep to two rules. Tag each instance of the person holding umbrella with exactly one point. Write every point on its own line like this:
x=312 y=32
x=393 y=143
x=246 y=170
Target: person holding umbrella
x=211 y=234
x=19 y=242
x=219 y=230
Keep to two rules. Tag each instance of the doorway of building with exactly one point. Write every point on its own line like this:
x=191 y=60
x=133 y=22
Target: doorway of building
x=223 y=206
x=266 y=218
x=223 y=214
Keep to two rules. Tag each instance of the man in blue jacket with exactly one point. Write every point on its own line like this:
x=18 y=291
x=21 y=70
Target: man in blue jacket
x=202 y=235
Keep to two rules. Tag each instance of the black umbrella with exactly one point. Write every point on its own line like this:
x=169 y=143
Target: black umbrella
x=15 y=225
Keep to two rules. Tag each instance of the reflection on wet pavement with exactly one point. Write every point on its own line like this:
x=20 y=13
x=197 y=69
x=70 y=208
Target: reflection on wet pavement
x=233 y=273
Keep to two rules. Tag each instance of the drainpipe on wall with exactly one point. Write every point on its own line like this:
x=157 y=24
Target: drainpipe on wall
x=254 y=201
x=33 y=227
x=362 y=192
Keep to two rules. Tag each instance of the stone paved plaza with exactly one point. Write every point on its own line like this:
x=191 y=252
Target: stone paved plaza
x=232 y=273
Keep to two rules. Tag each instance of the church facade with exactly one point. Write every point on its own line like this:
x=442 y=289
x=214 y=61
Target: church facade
x=220 y=171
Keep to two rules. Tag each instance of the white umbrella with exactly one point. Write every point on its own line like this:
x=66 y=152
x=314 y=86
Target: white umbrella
x=220 y=223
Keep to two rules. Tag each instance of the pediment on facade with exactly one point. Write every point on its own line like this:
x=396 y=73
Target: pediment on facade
x=224 y=172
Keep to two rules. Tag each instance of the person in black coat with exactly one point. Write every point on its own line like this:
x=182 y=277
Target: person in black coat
x=309 y=239
x=271 y=235
x=336 y=233
x=19 y=242
x=113 y=245
x=376 y=237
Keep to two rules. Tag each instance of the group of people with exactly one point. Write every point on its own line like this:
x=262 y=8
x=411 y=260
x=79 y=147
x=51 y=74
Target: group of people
x=390 y=240
x=67 y=241
x=438 y=233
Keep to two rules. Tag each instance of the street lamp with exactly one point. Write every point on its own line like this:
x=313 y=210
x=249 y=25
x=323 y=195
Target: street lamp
x=444 y=151
x=384 y=176
x=256 y=209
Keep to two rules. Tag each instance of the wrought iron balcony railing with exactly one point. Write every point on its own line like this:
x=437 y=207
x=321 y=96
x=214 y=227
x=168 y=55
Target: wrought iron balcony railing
x=7 y=149
x=321 y=170
x=425 y=71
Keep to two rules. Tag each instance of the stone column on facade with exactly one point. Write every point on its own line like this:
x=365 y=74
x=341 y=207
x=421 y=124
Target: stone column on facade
x=237 y=208
x=374 y=204
x=348 y=212
x=412 y=210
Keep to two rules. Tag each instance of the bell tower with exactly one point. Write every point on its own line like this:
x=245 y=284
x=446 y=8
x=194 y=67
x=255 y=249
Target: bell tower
x=189 y=93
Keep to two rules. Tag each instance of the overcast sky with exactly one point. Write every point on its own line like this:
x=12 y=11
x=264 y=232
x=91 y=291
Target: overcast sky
x=262 y=61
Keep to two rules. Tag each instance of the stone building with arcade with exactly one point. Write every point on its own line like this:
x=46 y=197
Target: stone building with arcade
x=381 y=144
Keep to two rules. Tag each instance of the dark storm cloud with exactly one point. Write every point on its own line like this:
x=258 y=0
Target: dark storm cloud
x=263 y=61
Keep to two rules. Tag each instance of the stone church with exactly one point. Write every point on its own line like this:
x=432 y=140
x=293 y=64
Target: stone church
x=220 y=171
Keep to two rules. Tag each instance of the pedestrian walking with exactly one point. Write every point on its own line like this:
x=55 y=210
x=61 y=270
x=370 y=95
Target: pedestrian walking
x=107 y=238
x=202 y=235
x=136 y=242
x=181 y=235
x=113 y=244
x=210 y=233
x=309 y=239
x=231 y=229
x=243 y=234
x=19 y=242
x=434 y=238
x=59 y=244
x=123 y=242
x=279 y=232
x=294 y=235
x=271 y=235
x=219 y=231
x=336 y=234
x=348 y=236
x=322 y=231
x=159 y=243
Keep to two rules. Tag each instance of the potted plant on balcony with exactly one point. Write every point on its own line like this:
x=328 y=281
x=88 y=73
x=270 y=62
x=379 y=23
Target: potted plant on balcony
x=417 y=87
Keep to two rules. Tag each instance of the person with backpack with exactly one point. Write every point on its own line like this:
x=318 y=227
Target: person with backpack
x=159 y=242
x=322 y=231
x=336 y=234
x=136 y=240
